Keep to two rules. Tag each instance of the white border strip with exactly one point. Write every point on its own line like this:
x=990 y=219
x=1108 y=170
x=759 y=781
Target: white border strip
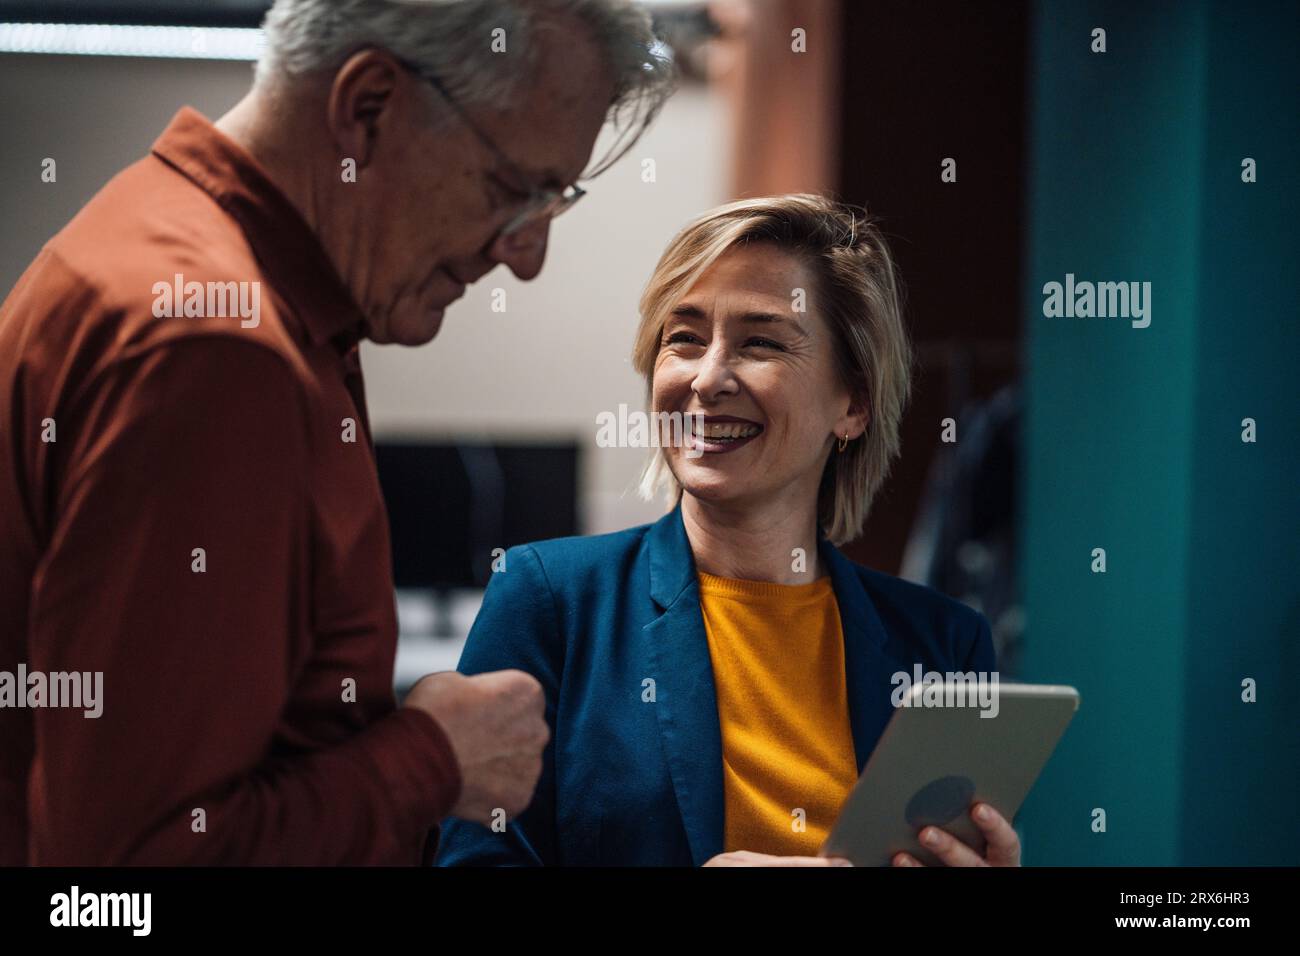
x=99 y=39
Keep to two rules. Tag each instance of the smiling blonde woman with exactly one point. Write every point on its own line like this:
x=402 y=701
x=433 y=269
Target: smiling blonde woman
x=716 y=680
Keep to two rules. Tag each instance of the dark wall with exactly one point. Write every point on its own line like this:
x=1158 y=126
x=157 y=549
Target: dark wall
x=921 y=82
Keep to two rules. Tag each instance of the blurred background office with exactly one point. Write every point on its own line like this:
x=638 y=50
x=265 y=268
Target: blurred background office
x=1031 y=441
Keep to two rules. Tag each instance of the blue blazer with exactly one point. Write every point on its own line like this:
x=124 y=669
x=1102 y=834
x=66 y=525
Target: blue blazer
x=632 y=777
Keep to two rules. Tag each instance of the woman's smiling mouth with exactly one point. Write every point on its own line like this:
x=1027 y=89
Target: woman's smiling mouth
x=723 y=433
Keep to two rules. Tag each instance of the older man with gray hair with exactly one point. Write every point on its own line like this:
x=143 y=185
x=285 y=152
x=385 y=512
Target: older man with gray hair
x=193 y=510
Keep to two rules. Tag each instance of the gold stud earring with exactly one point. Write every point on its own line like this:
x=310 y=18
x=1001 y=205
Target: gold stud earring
x=844 y=442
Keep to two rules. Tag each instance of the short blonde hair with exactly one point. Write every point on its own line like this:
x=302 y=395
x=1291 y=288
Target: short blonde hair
x=858 y=294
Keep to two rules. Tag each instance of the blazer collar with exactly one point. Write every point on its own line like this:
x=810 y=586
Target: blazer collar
x=677 y=655
x=686 y=702
x=672 y=563
x=868 y=668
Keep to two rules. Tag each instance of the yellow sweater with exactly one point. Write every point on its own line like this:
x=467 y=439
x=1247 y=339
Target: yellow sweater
x=787 y=747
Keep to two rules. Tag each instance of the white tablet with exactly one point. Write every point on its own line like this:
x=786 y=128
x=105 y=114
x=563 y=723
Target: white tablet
x=936 y=758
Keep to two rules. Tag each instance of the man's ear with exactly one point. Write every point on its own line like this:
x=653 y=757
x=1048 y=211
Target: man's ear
x=363 y=89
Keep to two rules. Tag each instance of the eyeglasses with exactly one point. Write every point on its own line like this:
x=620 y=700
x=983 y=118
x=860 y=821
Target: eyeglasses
x=542 y=203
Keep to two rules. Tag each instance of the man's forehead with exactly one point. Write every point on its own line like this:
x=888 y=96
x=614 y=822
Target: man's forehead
x=547 y=162
x=559 y=110
x=551 y=146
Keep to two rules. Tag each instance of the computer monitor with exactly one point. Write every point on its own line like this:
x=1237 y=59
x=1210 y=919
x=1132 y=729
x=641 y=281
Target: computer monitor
x=451 y=504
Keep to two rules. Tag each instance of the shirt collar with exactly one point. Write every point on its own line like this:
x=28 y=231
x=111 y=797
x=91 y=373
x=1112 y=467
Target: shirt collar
x=285 y=246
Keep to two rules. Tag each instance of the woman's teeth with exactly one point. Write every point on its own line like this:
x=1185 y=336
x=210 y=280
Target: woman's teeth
x=730 y=431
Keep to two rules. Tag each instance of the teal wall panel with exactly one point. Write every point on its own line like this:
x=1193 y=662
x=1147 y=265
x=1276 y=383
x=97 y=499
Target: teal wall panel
x=1133 y=438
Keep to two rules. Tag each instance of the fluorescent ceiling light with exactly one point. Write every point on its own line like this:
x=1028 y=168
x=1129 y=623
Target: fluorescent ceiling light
x=99 y=39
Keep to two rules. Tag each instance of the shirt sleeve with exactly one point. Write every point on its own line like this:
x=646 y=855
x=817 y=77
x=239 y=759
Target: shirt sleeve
x=201 y=443
x=517 y=628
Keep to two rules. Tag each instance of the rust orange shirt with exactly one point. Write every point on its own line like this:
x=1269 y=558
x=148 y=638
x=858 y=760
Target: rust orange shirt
x=181 y=512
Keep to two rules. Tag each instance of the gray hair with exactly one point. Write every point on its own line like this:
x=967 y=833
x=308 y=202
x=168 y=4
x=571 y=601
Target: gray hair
x=452 y=40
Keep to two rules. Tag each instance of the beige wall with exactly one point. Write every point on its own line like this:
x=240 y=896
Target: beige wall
x=545 y=367
x=93 y=116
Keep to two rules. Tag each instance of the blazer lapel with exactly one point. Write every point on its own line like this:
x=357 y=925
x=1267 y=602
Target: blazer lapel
x=868 y=669
x=676 y=653
x=686 y=702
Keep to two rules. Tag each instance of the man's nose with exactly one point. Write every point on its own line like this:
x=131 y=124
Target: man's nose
x=523 y=251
